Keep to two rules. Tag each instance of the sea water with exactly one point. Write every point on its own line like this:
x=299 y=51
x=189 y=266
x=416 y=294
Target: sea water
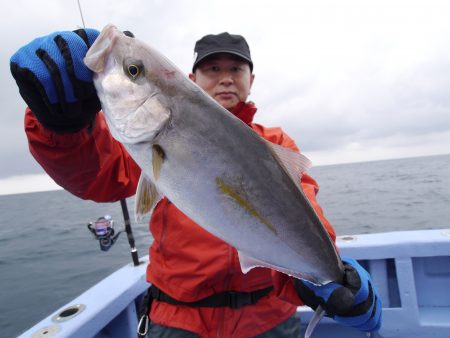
x=48 y=256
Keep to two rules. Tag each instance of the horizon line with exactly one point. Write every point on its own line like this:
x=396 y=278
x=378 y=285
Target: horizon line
x=30 y=183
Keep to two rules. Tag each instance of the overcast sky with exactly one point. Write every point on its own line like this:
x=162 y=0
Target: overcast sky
x=350 y=81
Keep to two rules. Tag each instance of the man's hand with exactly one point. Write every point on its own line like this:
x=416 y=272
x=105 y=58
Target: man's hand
x=54 y=81
x=354 y=303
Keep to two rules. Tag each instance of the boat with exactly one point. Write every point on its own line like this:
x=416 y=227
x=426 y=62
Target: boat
x=411 y=270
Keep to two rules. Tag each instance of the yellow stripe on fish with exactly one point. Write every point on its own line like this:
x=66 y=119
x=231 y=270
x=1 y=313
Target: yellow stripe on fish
x=231 y=192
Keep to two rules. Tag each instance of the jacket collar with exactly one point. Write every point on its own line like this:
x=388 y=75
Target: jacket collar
x=245 y=111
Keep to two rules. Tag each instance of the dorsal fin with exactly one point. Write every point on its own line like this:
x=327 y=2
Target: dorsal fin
x=295 y=164
x=147 y=196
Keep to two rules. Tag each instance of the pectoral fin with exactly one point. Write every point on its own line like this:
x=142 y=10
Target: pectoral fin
x=158 y=157
x=147 y=196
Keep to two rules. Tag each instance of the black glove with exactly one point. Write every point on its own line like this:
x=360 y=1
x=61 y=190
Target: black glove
x=354 y=303
x=54 y=81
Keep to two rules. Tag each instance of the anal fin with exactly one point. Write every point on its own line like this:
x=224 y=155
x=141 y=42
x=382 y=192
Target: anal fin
x=248 y=263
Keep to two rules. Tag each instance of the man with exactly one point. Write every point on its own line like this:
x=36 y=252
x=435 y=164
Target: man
x=198 y=289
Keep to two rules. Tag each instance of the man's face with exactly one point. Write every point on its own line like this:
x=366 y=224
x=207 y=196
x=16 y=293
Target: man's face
x=225 y=77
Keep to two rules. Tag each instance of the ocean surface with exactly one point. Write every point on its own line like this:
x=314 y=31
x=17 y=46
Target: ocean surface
x=48 y=256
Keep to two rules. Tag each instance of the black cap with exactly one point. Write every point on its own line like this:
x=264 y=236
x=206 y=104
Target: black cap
x=221 y=43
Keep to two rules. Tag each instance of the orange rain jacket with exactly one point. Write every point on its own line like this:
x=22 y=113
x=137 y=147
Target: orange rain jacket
x=186 y=262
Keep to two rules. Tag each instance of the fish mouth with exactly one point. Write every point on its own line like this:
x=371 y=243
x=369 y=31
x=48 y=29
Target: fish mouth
x=98 y=53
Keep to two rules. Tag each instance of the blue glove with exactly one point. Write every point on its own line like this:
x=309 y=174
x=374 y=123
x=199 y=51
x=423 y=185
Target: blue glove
x=54 y=81
x=354 y=303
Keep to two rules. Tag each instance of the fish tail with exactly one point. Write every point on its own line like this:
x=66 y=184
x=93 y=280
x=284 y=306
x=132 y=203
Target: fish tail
x=318 y=315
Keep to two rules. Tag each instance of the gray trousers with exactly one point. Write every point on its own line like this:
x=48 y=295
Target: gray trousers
x=287 y=329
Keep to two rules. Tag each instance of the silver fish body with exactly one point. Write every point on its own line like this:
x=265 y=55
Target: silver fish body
x=211 y=165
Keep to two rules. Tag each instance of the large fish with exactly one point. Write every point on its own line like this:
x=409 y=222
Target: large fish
x=211 y=165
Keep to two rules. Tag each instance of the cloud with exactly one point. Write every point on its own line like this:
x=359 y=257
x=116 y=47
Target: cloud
x=348 y=80
x=378 y=80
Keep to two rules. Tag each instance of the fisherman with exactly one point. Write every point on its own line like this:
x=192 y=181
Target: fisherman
x=198 y=288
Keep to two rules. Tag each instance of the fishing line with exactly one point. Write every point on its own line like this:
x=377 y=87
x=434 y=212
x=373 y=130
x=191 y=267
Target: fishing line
x=81 y=13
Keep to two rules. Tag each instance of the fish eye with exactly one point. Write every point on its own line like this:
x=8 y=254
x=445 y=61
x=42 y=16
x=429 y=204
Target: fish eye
x=133 y=69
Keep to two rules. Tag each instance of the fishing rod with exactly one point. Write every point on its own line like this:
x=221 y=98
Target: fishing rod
x=103 y=228
x=129 y=231
x=103 y=231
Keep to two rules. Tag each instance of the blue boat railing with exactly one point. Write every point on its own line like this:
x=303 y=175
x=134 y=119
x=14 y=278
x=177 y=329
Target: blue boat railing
x=411 y=270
